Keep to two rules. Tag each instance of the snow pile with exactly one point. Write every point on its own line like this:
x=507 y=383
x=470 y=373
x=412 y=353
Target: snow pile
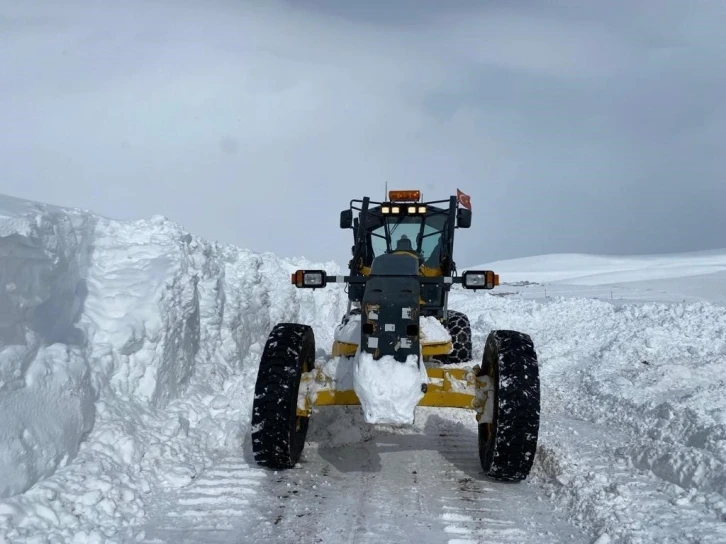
x=388 y=390
x=647 y=380
x=128 y=357
x=432 y=331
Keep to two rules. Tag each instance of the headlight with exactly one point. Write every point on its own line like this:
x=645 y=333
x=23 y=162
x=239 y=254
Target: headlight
x=479 y=279
x=475 y=279
x=313 y=279
x=309 y=279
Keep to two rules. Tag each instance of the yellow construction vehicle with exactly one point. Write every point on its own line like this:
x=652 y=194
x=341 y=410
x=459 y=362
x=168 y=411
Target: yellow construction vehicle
x=401 y=272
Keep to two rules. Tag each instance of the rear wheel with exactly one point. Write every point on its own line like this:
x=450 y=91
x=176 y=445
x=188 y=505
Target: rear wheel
x=459 y=328
x=508 y=444
x=278 y=433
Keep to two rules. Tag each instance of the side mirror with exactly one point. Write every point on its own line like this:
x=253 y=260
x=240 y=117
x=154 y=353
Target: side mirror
x=463 y=218
x=346 y=219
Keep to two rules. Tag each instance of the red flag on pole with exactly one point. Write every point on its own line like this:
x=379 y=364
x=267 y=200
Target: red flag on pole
x=464 y=199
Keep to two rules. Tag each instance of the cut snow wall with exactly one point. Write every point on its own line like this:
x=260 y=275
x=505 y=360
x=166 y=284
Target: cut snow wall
x=46 y=400
x=140 y=312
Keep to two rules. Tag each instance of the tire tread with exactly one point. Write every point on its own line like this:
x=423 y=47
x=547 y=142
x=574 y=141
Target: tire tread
x=510 y=453
x=275 y=441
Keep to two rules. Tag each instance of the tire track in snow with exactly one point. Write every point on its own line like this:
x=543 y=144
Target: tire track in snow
x=425 y=487
x=210 y=509
x=476 y=509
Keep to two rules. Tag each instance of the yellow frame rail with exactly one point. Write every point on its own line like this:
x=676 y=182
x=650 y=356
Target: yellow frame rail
x=446 y=388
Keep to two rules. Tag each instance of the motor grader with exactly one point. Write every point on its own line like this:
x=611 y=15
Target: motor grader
x=401 y=273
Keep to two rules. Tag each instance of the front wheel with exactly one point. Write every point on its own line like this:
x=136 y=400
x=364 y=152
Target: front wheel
x=278 y=433
x=507 y=444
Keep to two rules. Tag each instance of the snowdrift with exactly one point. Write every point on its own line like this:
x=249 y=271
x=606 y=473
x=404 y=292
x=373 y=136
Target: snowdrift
x=126 y=352
x=633 y=389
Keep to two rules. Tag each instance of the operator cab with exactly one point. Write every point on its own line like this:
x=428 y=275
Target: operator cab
x=404 y=224
x=419 y=235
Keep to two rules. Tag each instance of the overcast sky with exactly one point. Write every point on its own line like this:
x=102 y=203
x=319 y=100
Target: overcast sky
x=575 y=126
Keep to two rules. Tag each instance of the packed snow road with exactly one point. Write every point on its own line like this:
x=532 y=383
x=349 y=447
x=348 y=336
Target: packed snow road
x=426 y=486
x=422 y=487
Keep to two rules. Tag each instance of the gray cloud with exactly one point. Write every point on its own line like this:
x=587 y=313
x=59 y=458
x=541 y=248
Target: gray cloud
x=593 y=127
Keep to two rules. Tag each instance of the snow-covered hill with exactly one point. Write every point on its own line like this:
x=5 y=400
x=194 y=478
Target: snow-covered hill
x=128 y=354
x=668 y=278
x=579 y=269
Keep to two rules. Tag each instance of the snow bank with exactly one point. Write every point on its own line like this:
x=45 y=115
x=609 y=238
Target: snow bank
x=128 y=357
x=650 y=378
x=46 y=397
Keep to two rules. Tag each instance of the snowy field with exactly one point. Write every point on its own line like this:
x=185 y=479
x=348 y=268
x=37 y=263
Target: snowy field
x=129 y=351
x=685 y=277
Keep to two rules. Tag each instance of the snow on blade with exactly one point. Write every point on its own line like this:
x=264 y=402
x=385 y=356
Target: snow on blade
x=432 y=331
x=388 y=390
x=349 y=332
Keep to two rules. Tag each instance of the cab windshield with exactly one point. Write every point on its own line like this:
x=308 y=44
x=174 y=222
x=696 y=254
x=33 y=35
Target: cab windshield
x=406 y=233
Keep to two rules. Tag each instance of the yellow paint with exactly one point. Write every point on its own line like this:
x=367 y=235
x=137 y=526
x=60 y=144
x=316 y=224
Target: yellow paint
x=429 y=350
x=425 y=271
x=442 y=373
x=437 y=394
x=430 y=272
x=437 y=397
x=336 y=398
x=344 y=349
x=447 y=399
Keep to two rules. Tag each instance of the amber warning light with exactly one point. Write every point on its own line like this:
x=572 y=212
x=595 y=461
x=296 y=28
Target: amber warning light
x=404 y=196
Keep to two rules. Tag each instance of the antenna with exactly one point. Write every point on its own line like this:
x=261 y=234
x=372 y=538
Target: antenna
x=385 y=196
